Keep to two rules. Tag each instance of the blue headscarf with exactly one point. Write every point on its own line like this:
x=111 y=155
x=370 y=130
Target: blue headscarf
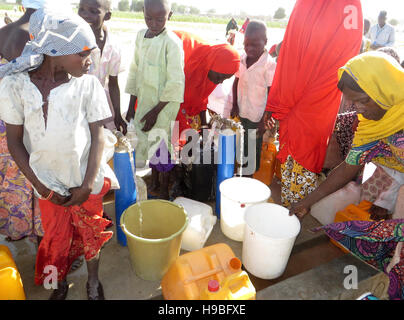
x=52 y=34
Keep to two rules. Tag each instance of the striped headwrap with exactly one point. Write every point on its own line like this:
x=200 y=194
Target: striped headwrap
x=52 y=34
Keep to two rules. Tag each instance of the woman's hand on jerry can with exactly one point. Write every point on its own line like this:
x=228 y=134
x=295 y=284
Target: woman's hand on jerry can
x=300 y=209
x=378 y=213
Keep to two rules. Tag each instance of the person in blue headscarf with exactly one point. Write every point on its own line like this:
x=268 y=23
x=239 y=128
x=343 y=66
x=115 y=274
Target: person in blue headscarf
x=54 y=114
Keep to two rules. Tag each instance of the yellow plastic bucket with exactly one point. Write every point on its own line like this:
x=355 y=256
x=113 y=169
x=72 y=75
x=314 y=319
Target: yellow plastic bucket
x=154 y=231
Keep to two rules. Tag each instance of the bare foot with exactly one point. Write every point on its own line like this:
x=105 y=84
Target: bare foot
x=153 y=187
x=76 y=264
x=164 y=195
x=61 y=292
x=111 y=223
x=95 y=291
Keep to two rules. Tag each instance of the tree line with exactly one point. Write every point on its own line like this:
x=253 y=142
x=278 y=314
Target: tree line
x=137 y=6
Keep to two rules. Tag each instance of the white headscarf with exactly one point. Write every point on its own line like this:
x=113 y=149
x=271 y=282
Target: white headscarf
x=33 y=4
x=55 y=5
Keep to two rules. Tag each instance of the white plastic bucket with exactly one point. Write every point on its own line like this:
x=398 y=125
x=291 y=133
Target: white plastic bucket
x=237 y=195
x=270 y=234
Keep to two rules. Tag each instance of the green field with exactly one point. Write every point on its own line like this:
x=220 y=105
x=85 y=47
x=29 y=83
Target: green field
x=6 y=6
x=175 y=17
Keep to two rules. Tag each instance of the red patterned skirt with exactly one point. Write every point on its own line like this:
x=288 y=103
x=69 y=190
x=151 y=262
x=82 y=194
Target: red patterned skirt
x=71 y=232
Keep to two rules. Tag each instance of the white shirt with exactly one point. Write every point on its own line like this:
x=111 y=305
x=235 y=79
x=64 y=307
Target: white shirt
x=382 y=36
x=107 y=64
x=221 y=99
x=252 y=90
x=58 y=153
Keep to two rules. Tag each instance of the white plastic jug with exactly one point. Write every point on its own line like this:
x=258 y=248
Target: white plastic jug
x=238 y=194
x=201 y=222
x=324 y=210
x=108 y=153
x=270 y=234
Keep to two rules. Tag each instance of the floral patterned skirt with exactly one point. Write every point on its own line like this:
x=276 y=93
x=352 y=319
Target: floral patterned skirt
x=19 y=211
x=297 y=182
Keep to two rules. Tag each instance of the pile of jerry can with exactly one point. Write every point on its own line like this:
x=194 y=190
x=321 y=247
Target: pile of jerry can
x=211 y=273
x=353 y=212
x=11 y=287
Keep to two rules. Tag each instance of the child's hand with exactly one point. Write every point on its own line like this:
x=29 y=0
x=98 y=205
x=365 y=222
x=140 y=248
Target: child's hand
x=56 y=198
x=130 y=114
x=150 y=119
x=59 y=199
x=269 y=121
x=79 y=195
x=131 y=109
x=235 y=111
x=120 y=124
x=261 y=128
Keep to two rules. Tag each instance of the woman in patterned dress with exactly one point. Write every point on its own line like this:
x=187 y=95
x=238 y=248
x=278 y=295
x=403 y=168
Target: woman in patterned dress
x=19 y=211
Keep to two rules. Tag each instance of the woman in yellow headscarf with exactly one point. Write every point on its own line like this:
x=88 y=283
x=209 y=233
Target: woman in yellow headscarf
x=373 y=81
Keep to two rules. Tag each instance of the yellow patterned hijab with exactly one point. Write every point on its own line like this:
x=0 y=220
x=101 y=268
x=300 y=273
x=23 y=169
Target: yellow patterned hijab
x=382 y=78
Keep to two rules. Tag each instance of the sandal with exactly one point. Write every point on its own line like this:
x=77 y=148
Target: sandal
x=100 y=291
x=60 y=293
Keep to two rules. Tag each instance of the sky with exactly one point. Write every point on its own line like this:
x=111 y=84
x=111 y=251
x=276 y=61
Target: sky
x=371 y=8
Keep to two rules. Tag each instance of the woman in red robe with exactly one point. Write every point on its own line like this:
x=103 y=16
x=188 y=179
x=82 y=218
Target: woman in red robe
x=321 y=37
x=206 y=66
